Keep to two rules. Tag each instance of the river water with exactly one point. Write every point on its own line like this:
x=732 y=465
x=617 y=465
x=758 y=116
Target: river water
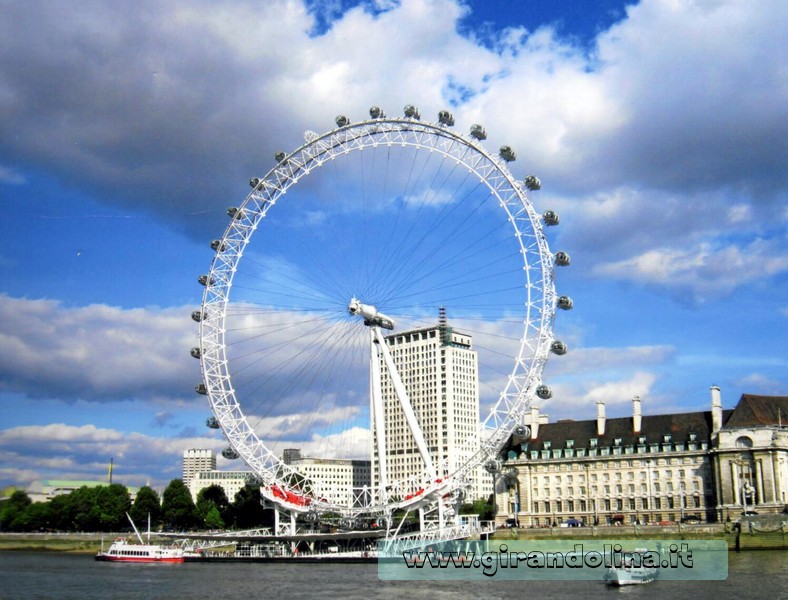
x=751 y=575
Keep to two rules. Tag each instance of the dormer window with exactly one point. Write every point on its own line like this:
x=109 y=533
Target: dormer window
x=692 y=437
x=593 y=442
x=617 y=442
x=547 y=445
x=570 y=443
x=642 y=439
x=666 y=439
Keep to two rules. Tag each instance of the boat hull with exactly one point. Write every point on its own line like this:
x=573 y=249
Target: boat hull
x=140 y=559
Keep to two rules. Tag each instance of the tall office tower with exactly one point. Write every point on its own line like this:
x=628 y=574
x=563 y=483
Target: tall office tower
x=440 y=372
x=196 y=460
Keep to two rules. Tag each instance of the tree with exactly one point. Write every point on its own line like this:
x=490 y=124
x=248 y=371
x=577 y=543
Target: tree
x=484 y=508
x=248 y=511
x=62 y=518
x=213 y=520
x=112 y=504
x=36 y=517
x=212 y=497
x=146 y=503
x=12 y=509
x=177 y=506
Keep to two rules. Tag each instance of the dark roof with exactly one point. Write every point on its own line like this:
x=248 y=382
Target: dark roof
x=654 y=427
x=758 y=411
x=751 y=411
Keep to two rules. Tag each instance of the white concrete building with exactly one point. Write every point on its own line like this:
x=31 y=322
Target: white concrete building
x=439 y=369
x=196 y=460
x=230 y=481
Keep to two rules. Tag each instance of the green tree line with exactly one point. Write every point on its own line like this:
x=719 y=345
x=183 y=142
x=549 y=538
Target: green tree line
x=104 y=508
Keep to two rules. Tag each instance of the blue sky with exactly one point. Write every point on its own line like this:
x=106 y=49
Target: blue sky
x=658 y=130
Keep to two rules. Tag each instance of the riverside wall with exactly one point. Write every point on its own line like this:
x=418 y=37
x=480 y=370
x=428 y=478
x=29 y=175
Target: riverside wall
x=769 y=533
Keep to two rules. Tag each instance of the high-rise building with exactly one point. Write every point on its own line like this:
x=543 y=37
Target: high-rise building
x=196 y=460
x=439 y=370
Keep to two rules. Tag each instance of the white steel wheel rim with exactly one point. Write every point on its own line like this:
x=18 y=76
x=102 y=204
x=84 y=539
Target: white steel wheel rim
x=538 y=288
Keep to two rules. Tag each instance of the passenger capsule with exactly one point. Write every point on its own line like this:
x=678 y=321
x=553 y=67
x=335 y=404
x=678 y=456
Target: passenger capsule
x=550 y=217
x=201 y=389
x=533 y=183
x=492 y=466
x=218 y=245
x=446 y=118
x=377 y=113
x=565 y=303
x=197 y=316
x=235 y=213
x=342 y=121
x=544 y=392
x=254 y=182
x=230 y=454
x=521 y=431
x=206 y=280
x=562 y=259
x=507 y=153
x=195 y=352
x=279 y=156
x=478 y=132
x=212 y=423
x=558 y=347
x=412 y=112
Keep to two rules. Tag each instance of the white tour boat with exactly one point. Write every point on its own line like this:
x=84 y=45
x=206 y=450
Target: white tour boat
x=122 y=551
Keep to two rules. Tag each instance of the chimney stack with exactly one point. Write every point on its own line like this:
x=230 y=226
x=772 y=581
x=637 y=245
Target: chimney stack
x=636 y=416
x=534 y=422
x=716 y=409
x=600 y=418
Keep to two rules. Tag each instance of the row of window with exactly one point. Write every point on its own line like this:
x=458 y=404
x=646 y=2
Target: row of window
x=608 y=504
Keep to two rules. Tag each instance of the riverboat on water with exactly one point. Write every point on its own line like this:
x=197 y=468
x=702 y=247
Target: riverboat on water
x=630 y=572
x=122 y=551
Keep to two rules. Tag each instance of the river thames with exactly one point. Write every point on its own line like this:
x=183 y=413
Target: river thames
x=751 y=575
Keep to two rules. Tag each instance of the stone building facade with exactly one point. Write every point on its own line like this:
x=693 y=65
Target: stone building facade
x=705 y=466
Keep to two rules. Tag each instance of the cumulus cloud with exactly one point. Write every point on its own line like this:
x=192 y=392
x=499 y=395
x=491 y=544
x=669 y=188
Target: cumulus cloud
x=676 y=106
x=60 y=451
x=705 y=271
x=96 y=353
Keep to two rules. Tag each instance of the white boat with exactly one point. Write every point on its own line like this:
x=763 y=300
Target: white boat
x=630 y=573
x=121 y=550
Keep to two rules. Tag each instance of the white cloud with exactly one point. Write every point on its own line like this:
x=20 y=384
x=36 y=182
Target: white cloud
x=10 y=176
x=60 y=451
x=671 y=129
x=621 y=391
x=703 y=270
x=95 y=352
x=757 y=383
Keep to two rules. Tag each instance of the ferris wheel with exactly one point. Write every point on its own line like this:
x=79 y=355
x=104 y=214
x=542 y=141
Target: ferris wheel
x=398 y=227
